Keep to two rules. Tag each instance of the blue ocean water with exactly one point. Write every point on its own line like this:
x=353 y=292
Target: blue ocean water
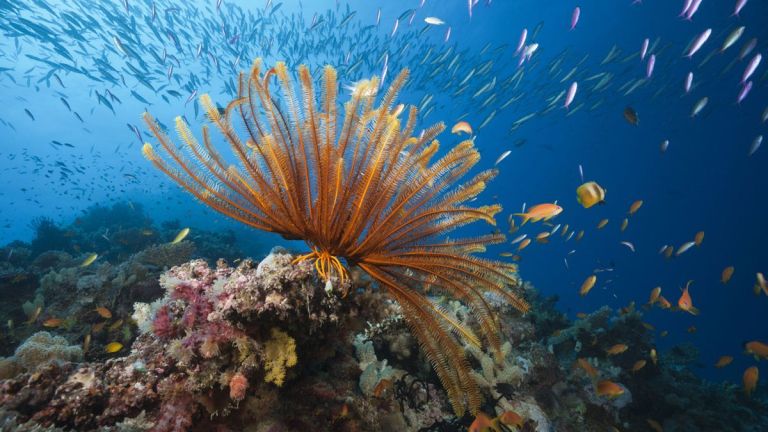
x=705 y=181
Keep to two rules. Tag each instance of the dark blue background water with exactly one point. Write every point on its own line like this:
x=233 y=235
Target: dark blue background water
x=705 y=181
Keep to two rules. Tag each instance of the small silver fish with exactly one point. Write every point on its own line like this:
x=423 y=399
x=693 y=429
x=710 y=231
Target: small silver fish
x=685 y=247
x=629 y=245
x=755 y=145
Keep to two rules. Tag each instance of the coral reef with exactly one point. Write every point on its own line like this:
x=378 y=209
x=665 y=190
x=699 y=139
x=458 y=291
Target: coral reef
x=265 y=347
x=132 y=253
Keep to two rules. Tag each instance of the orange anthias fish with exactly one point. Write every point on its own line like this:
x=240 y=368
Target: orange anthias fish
x=103 y=312
x=751 y=375
x=540 y=212
x=511 y=418
x=664 y=303
x=699 y=238
x=723 y=361
x=609 y=389
x=727 y=274
x=53 y=322
x=616 y=349
x=630 y=115
x=461 y=126
x=482 y=423
x=587 y=367
x=685 y=303
x=757 y=349
x=655 y=293
x=635 y=207
x=638 y=365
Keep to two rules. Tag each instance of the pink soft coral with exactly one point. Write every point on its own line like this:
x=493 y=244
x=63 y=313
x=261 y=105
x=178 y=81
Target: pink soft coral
x=163 y=325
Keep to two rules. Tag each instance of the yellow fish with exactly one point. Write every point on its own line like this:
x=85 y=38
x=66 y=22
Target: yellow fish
x=113 y=347
x=180 y=236
x=624 y=224
x=587 y=285
x=602 y=224
x=589 y=194
x=88 y=261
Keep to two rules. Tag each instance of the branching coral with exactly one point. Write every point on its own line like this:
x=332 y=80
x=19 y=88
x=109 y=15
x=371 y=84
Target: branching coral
x=360 y=189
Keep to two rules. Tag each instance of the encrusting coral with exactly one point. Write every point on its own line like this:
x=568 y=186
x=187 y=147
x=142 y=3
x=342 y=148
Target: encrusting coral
x=360 y=189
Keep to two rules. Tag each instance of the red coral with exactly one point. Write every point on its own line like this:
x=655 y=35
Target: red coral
x=238 y=385
x=163 y=325
x=197 y=312
x=188 y=291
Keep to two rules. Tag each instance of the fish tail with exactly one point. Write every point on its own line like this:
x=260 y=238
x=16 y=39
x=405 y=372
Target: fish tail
x=525 y=217
x=693 y=311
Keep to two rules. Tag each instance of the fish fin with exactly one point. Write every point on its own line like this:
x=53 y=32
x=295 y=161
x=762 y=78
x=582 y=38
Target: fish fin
x=525 y=217
x=693 y=311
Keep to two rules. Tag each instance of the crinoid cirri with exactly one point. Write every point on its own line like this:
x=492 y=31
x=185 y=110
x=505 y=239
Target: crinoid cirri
x=361 y=190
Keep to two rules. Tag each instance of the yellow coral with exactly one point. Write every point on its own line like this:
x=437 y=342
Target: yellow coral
x=280 y=353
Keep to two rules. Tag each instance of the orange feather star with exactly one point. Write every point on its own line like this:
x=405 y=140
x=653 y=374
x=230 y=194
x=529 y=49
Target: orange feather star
x=363 y=190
